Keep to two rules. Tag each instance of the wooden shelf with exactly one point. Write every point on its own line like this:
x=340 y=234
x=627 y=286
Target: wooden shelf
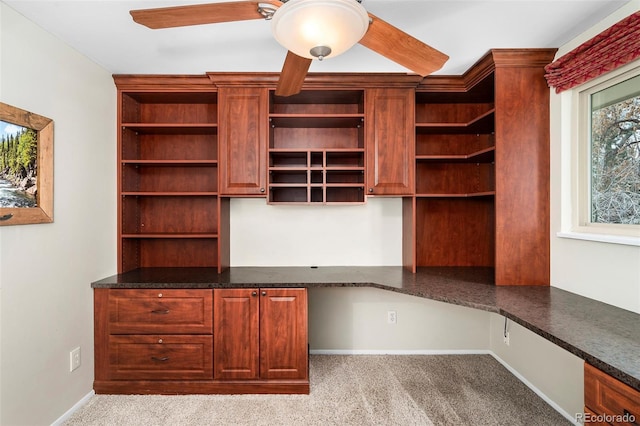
x=316 y=148
x=486 y=155
x=171 y=162
x=172 y=128
x=168 y=235
x=457 y=195
x=168 y=194
x=169 y=209
x=483 y=123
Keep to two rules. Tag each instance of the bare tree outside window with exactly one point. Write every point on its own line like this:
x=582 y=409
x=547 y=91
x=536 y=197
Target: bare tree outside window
x=615 y=154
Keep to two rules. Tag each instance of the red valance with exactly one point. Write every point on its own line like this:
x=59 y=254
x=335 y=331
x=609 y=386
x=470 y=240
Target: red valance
x=612 y=48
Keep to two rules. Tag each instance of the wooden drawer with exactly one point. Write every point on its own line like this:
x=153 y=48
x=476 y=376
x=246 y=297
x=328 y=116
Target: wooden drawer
x=160 y=357
x=160 y=311
x=604 y=395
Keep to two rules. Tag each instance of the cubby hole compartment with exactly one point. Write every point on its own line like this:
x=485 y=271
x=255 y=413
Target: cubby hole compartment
x=288 y=194
x=150 y=145
x=455 y=231
x=314 y=138
x=317 y=159
x=345 y=159
x=169 y=215
x=454 y=179
x=169 y=107
x=345 y=176
x=169 y=252
x=344 y=194
x=316 y=176
x=316 y=193
x=288 y=159
x=473 y=147
x=169 y=178
x=322 y=102
x=288 y=176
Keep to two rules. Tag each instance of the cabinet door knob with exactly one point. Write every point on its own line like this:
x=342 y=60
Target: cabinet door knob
x=370 y=189
x=254 y=293
x=264 y=293
x=261 y=189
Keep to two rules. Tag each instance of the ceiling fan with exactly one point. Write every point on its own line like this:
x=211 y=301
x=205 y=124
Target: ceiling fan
x=309 y=29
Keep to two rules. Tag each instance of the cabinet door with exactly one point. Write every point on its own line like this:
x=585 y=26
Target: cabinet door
x=390 y=141
x=235 y=334
x=283 y=334
x=242 y=138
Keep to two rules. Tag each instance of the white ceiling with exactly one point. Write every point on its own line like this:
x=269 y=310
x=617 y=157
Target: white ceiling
x=465 y=30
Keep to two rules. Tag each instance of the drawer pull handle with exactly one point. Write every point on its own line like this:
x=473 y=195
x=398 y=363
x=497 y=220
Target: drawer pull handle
x=160 y=359
x=631 y=418
x=160 y=311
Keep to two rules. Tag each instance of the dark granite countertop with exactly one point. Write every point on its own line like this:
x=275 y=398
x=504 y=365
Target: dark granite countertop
x=605 y=336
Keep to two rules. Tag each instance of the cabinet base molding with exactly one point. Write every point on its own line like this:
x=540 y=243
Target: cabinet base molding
x=159 y=387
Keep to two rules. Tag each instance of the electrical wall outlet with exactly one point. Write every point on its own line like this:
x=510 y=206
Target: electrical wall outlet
x=74 y=359
x=391 y=317
x=505 y=338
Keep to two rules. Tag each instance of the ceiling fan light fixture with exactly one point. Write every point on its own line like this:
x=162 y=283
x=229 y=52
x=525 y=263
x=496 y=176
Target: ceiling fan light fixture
x=311 y=28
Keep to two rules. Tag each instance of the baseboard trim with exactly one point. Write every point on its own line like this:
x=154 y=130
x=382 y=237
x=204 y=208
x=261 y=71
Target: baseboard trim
x=73 y=409
x=537 y=391
x=519 y=376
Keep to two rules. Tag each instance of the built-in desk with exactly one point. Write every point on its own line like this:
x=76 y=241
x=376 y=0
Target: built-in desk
x=603 y=335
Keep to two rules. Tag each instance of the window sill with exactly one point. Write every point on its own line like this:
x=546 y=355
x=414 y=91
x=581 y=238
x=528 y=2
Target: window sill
x=601 y=238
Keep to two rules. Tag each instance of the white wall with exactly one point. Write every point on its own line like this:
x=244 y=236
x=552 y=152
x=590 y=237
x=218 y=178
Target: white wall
x=555 y=372
x=46 y=307
x=288 y=235
x=602 y=271
x=354 y=320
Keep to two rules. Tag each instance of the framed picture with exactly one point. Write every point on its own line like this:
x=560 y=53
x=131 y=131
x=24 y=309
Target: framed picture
x=26 y=167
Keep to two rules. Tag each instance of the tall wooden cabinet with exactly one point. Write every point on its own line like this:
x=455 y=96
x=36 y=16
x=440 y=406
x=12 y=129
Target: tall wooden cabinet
x=170 y=212
x=482 y=169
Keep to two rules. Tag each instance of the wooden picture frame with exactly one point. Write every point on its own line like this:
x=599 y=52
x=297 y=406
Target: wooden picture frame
x=42 y=212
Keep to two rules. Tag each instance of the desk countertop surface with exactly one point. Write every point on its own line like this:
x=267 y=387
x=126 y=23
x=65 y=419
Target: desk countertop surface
x=605 y=336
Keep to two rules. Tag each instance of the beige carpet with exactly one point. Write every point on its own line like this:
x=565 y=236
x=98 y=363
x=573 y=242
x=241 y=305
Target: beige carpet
x=351 y=390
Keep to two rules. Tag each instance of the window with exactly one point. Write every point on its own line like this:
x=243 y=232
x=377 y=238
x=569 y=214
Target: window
x=608 y=200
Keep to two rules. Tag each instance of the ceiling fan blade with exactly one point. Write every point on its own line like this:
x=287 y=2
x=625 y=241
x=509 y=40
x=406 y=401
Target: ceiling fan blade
x=198 y=14
x=292 y=76
x=402 y=48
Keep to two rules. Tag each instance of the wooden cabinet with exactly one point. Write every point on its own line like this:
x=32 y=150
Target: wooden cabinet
x=455 y=177
x=260 y=334
x=169 y=210
x=316 y=147
x=243 y=140
x=482 y=169
x=153 y=335
x=609 y=401
x=201 y=341
x=390 y=141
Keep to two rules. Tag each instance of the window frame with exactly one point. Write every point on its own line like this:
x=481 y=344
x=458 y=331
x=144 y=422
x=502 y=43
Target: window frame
x=581 y=225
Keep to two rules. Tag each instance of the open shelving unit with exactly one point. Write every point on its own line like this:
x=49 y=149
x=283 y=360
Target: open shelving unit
x=168 y=179
x=455 y=177
x=316 y=147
